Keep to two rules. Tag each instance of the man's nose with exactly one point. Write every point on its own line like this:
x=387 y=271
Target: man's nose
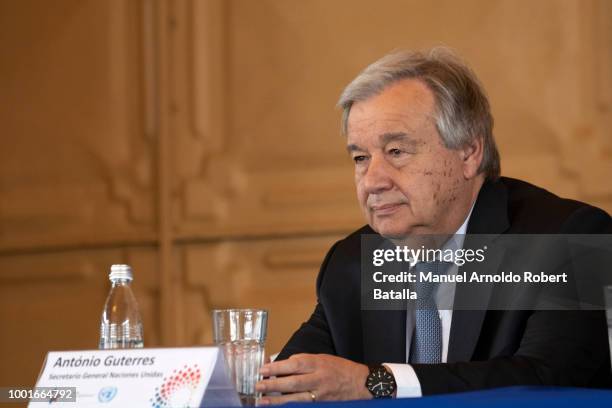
x=377 y=177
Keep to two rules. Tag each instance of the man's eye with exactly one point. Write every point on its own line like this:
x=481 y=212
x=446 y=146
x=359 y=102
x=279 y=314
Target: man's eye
x=395 y=152
x=359 y=159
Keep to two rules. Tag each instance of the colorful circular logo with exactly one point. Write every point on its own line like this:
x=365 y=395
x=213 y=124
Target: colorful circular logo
x=178 y=388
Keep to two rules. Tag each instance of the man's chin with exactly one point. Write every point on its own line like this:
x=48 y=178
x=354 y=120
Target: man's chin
x=398 y=230
x=393 y=236
x=391 y=232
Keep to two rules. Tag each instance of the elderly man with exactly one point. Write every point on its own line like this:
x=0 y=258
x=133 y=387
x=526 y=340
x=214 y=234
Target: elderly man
x=419 y=130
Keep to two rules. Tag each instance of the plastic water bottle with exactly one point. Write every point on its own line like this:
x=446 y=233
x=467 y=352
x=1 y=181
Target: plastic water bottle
x=121 y=325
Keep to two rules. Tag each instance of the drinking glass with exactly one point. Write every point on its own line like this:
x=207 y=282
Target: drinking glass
x=241 y=334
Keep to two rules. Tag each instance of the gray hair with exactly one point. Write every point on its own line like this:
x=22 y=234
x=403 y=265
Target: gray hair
x=462 y=111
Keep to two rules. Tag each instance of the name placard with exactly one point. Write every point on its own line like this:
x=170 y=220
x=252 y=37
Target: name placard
x=152 y=378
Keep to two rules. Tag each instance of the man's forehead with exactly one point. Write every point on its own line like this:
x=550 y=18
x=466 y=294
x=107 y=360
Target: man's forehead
x=383 y=129
x=380 y=123
x=403 y=107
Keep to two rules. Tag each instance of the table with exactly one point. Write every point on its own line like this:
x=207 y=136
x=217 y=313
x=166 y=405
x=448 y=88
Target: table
x=511 y=397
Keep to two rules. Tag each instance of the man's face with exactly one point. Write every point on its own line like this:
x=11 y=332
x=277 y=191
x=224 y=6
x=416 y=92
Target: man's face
x=407 y=181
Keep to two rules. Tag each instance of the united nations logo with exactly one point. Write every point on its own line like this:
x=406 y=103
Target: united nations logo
x=106 y=394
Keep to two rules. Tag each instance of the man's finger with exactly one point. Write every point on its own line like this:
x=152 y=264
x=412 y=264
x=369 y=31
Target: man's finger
x=295 y=365
x=291 y=383
x=282 y=399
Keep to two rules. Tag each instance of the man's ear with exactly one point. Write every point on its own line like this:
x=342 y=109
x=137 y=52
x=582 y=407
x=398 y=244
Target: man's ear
x=471 y=154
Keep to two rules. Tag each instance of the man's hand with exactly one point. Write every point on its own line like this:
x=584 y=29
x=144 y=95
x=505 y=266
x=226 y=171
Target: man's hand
x=326 y=377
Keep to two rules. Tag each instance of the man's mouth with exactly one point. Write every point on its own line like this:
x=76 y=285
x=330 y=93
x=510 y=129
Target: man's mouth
x=385 y=209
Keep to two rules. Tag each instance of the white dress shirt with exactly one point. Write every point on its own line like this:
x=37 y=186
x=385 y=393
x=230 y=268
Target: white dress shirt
x=408 y=384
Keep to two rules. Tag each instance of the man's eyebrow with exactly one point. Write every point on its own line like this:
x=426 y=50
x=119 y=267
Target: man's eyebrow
x=353 y=148
x=385 y=138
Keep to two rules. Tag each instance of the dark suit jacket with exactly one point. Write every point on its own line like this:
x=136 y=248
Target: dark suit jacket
x=486 y=348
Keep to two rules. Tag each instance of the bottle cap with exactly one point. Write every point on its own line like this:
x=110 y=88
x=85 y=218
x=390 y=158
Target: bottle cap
x=120 y=272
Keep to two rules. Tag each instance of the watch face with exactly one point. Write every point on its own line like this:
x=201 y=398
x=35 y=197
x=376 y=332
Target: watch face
x=380 y=383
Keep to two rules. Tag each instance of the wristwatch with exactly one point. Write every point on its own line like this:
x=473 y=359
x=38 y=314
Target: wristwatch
x=380 y=382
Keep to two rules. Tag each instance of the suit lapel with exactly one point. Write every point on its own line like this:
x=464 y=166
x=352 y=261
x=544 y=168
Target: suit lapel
x=490 y=216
